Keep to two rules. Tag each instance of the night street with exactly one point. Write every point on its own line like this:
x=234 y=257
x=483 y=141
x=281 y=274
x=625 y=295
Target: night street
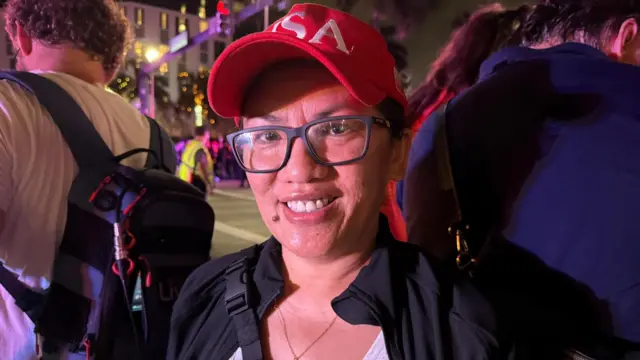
x=238 y=223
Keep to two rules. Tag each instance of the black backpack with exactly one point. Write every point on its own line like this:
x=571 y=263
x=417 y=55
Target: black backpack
x=124 y=227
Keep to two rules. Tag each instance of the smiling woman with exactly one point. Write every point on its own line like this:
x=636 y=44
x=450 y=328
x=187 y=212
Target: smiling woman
x=322 y=133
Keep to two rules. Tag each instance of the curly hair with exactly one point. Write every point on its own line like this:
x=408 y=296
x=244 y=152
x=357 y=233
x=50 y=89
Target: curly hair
x=96 y=27
x=591 y=22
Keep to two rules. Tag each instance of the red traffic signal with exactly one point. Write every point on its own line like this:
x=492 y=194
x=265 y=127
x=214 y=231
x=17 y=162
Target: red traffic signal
x=222 y=9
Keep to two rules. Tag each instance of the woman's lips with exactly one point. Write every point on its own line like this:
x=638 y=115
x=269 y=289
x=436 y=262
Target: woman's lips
x=309 y=212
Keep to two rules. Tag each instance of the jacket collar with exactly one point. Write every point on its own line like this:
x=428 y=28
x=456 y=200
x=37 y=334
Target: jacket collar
x=513 y=54
x=370 y=295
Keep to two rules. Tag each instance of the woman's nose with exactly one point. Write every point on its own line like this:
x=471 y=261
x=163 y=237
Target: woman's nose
x=301 y=166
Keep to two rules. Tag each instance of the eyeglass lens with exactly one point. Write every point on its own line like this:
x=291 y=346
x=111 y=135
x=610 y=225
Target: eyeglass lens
x=331 y=142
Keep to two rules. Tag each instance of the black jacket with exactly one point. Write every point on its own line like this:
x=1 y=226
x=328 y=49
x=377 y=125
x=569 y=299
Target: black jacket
x=397 y=291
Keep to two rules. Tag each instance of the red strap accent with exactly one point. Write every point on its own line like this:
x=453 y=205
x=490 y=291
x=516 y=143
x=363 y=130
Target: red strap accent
x=148 y=279
x=87 y=348
x=134 y=202
x=104 y=182
x=130 y=267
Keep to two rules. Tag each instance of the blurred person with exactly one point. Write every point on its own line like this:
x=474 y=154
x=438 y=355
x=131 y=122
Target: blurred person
x=535 y=163
x=485 y=31
x=319 y=151
x=54 y=39
x=196 y=163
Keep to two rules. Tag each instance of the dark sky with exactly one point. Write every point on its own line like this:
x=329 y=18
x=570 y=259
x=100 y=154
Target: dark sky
x=192 y=5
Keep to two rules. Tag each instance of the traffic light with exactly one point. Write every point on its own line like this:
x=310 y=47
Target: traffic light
x=223 y=18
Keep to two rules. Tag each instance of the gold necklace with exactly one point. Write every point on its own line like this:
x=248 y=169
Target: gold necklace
x=286 y=336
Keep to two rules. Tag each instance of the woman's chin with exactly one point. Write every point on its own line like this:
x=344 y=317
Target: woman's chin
x=308 y=244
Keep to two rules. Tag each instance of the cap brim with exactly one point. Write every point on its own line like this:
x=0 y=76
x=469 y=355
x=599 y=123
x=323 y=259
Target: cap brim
x=247 y=57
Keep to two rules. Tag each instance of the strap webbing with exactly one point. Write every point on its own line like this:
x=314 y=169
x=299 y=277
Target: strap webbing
x=445 y=172
x=26 y=299
x=94 y=158
x=162 y=145
x=240 y=303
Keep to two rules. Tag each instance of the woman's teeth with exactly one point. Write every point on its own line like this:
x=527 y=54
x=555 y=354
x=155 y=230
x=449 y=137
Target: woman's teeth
x=309 y=205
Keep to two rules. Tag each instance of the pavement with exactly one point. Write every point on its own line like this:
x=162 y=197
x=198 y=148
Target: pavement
x=238 y=222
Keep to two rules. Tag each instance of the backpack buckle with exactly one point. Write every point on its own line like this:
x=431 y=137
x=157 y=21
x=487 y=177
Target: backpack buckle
x=464 y=259
x=237 y=295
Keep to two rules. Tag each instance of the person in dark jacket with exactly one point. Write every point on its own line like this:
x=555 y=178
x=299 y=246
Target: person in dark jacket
x=487 y=30
x=542 y=158
x=323 y=131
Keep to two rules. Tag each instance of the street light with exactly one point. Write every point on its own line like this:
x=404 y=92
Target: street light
x=146 y=87
x=152 y=55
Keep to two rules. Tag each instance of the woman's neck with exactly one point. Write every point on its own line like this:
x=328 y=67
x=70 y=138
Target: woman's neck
x=311 y=284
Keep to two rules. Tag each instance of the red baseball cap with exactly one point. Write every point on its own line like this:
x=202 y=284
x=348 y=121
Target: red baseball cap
x=354 y=52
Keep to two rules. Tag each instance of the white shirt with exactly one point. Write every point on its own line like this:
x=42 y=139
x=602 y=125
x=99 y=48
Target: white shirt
x=377 y=351
x=36 y=172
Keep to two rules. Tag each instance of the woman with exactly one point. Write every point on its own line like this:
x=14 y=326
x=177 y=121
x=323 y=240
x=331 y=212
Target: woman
x=487 y=30
x=322 y=134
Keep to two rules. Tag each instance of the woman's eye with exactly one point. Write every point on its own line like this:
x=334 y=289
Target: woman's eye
x=268 y=136
x=335 y=128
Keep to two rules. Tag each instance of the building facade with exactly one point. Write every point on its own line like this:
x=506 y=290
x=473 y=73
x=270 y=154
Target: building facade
x=7 y=53
x=153 y=29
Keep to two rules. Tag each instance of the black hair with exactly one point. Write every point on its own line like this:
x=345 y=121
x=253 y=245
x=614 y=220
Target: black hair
x=392 y=111
x=587 y=21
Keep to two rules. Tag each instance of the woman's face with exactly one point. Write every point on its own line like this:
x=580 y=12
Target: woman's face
x=319 y=211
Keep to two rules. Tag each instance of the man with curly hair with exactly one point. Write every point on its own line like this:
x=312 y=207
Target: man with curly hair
x=79 y=44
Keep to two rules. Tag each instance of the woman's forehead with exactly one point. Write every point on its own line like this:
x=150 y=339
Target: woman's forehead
x=312 y=90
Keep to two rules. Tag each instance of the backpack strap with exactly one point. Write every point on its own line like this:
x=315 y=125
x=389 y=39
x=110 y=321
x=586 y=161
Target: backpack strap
x=162 y=146
x=240 y=302
x=465 y=259
x=94 y=158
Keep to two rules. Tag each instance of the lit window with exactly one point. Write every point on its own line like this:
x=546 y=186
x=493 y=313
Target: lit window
x=138 y=48
x=202 y=12
x=183 y=9
x=139 y=16
x=182 y=28
x=164 y=68
x=164 y=21
x=163 y=49
x=204 y=25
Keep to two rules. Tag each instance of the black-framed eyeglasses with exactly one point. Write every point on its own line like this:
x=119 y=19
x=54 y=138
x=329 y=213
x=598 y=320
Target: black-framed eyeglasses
x=338 y=140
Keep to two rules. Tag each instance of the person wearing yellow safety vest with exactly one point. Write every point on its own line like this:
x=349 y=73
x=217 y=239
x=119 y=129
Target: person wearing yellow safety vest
x=196 y=163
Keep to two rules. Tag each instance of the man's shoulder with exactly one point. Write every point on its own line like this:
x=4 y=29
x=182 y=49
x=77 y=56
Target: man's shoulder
x=16 y=99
